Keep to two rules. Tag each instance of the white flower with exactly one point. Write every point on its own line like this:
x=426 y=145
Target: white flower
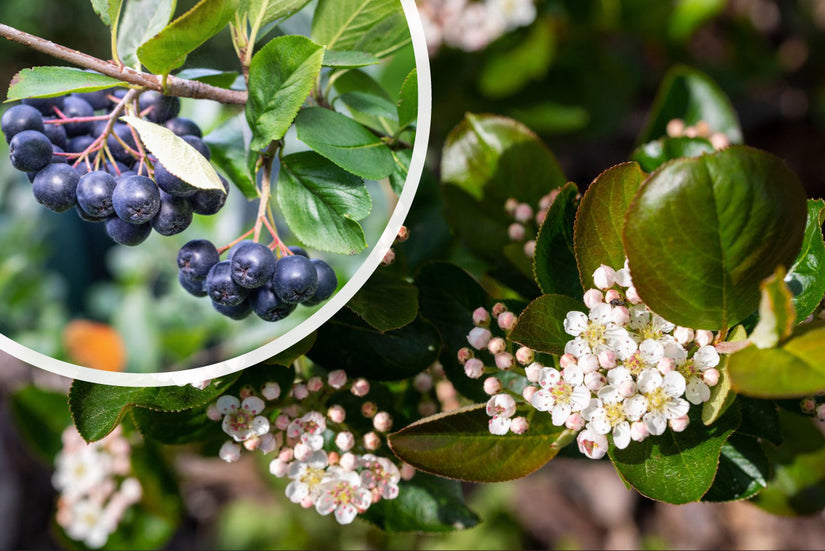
x=609 y=415
x=241 y=420
x=341 y=493
x=698 y=391
x=79 y=472
x=309 y=428
x=514 y=13
x=500 y=408
x=479 y=337
x=380 y=474
x=648 y=354
x=561 y=394
x=647 y=325
x=595 y=333
x=89 y=524
x=306 y=477
x=661 y=399
x=591 y=444
x=622 y=277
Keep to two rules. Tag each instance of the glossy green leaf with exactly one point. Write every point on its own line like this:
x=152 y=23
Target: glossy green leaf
x=344 y=142
x=554 y=264
x=359 y=81
x=459 y=445
x=760 y=419
x=369 y=104
x=281 y=76
x=141 y=20
x=541 y=325
x=40 y=416
x=402 y=159
x=374 y=26
x=797 y=486
x=776 y=312
x=322 y=203
x=348 y=60
x=108 y=10
x=44 y=82
x=176 y=427
x=386 y=301
x=702 y=233
x=676 y=467
x=721 y=395
x=794 y=369
x=168 y=49
x=213 y=77
x=177 y=156
x=408 y=100
x=806 y=278
x=226 y=143
x=347 y=342
x=689 y=15
x=597 y=236
x=692 y=96
x=266 y=11
x=506 y=73
x=652 y=155
x=743 y=470
x=426 y=504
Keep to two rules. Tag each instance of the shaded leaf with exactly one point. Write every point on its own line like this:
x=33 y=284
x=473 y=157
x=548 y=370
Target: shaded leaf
x=760 y=419
x=402 y=159
x=554 y=264
x=177 y=427
x=541 y=325
x=229 y=153
x=41 y=416
x=108 y=10
x=141 y=20
x=743 y=470
x=721 y=396
x=806 y=278
x=386 y=301
x=508 y=72
x=44 y=82
x=776 y=312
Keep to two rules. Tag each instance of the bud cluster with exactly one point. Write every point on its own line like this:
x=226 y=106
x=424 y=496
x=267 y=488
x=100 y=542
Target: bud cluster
x=527 y=220
x=676 y=128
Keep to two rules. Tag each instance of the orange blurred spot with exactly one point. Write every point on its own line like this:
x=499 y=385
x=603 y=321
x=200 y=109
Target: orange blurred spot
x=94 y=345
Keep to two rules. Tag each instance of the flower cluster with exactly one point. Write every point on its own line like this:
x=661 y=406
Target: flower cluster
x=676 y=128
x=96 y=486
x=626 y=372
x=328 y=466
x=527 y=220
x=471 y=25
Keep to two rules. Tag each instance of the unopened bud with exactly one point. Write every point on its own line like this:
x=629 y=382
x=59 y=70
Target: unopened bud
x=479 y=337
x=547 y=200
x=702 y=129
x=710 y=376
x=278 y=467
x=506 y=320
x=691 y=132
x=516 y=232
x=427 y=408
x=528 y=392
x=719 y=140
x=423 y=382
x=336 y=414
x=473 y=368
x=348 y=461
x=808 y=405
x=246 y=391
x=566 y=360
x=492 y=385
x=271 y=390
x=337 y=379
x=300 y=391
x=593 y=297
x=407 y=471
x=282 y=422
x=314 y=384
x=541 y=216
x=345 y=441
x=286 y=455
x=679 y=424
x=683 y=335
x=372 y=441
x=213 y=413
x=603 y=277
x=703 y=337
x=519 y=425
x=612 y=295
x=666 y=365
x=464 y=354
x=269 y=443
x=481 y=317
x=589 y=363
x=633 y=295
x=574 y=422
x=497 y=345
x=230 y=452
x=533 y=371
x=389 y=257
x=252 y=443
x=594 y=381
x=382 y=422
x=333 y=458
x=638 y=431
x=530 y=248
x=498 y=309
x=820 y=412
x=302 y=451
x=525 y=355
x=360 y=387
x=369 y=409
x=620 y=316
x=523 y=212
x=504 y=361
x=607 y=359
x=403 y=234
x=510 y=206
x=675 y=128
x=627 y=388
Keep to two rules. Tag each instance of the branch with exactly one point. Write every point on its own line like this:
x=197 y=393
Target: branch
x=174 y=86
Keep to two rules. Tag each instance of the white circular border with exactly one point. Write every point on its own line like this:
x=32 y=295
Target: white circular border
x=199 y=374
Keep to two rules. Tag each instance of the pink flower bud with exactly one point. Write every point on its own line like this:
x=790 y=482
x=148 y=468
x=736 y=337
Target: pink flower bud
x=506 y=320
x=230 y=452
x=333 y=458
x=360 y=387
x=807 y=405
x=525 y=355
x=719 y=140
x=820 y=412
x=492 y=385
x=302 y=451
x=675 y=128
x=473 y=368
x=308 y=502
x=574 y=422
x=345 y=441
x=627 y=389
x=666 y=365
x=286 y=455
x=589 y=363
x=389 y=257
x=567 y=360
x=479 y=337
x=369 y=409
x=523 y=212
x=620 y=316
x=336 y=414
x=607 y=359
x=252 y=443
x=403 y=234
x=593 y=297
x=246 y=391
x=498 y=309
x=703 y=337
x=300 y=391
x=679 y=423
x=594 y=381
x=293 y=410
x=496 y=345
x=510 y=206
x=533 y=371
x=269 y=443
x=382 y=422
x=519 y=425
x=372 y=441
x=683 y=335
x=464 y=354
x=427 y=408
x=711 y=376
x=612 y=295
x=481 y=317
x=504 y=361
x=271 y=390
x=541 y=216
x=547 y=200
x=638 y=431
x=314 y=384
x=213 y=413
x=633 y=296
x=423 y=382
x=603 y=277
x=348 y=462
x=530 y=248
x=516 y=232
x=528 y=392
x=278 y=467
x=337 y=379
x=407 y=471
x=282 y=422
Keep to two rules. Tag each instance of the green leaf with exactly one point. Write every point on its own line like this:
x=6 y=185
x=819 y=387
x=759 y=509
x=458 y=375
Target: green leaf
x=376 y=107
x=386 y=301
x=142 y=19
x=508 y=72
x=806 y=278
x=794 y=369
x=45 y=82
x=374 y=26
x=408 y=100
x=459 y=445
x=226 y=143
x=359 y=81
x=426 y=504
x=402 y=159
x=322 y=203
x=676 y=467
x=176 y=427
x=692 y=96
x=177 y=156
x=652 y=155
x=168 y=49
x=721 y=396
x=797 y=486
x=41 y=416
x=716 y=226
x=776 y=312
x=273 y=9
x=221 y=79
x=344 y=142
x=597 y=235
x=760 y=419
x=283 y=359
x=347 y=342
x=108 y=10
x=281 y=76
x=554 y=264
x=689 y=15
x=541 y=325
x=348 y=59
x=743 y=470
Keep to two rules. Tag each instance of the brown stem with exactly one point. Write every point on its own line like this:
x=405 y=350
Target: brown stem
x=174 y=86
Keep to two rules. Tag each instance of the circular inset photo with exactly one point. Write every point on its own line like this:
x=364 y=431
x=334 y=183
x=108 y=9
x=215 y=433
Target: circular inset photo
x=208 y=191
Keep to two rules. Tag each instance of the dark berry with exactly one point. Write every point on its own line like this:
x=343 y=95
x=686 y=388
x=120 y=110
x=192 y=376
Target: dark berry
x=30 y=150
x=267 y=305
x=174 y=216
x=56 y=157
x=231 y=252
x=86 y=217
x=94 y=193
x=119 y=152
x=209 y=201
x=300 y=251
x=74 y=107
x=163 y=107
x=327 y=282
x=199 y=146
x=56 y=134
x=79 y=144
x=191 y=286
x=126 y=233
x=237 y=312
x=196 y=258
x=184 y=127
x=294 y=279
x=19 y=118
x=98 y=99
x=136 y=199
x=46 y=105
x=221 y=288
x=55 y=187
x=252 y=264
x=171 y=184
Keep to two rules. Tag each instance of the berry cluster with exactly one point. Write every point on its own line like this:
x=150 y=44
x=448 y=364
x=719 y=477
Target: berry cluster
x=75 y=155
x=253 y=279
